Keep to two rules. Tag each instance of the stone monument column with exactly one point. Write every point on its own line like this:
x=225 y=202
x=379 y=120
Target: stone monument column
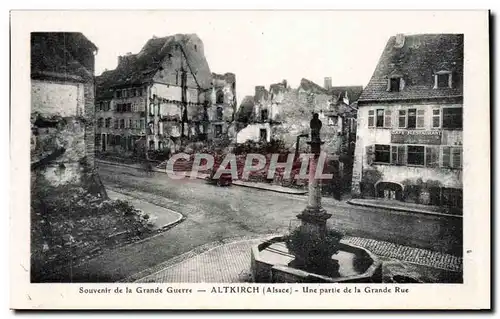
x=314 y=216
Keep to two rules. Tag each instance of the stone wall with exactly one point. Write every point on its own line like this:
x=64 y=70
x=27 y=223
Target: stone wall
x=62 y=141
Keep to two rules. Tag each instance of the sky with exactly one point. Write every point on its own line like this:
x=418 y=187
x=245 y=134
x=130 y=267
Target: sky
x=263 y=47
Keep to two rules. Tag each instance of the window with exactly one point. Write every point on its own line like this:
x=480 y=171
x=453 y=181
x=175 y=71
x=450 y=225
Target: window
x=398 y=153
x=152 y=109
x=220 y=113
x=160 y=145
x=452 y=117
x=107 y=122
x=402 y=119
x=151 y=145
x=431 y=156
x=118 y=94
x=124 y=93
x=380 y=118
x=263 y=115
x=436 y=118
x=382 y=153
x=421 y=118
x=371 y=118
x=160 y=128
x=116 y=123
x=442 y=79
x=388 y=118
x=416 y=155
x=151 y=126
x=263 y=135
x=100 y=122
x=218 y=130
x=412 y=118
x=122 y=123
x=394 y=84
x=452 y=157
x=220 y=97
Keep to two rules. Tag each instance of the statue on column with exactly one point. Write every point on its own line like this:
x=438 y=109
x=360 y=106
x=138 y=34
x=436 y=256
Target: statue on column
x=315 y=126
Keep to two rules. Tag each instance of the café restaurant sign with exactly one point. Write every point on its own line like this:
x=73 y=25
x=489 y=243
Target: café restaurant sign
x=416 y=137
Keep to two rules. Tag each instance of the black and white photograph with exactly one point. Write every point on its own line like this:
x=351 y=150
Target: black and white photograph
x=250 y=148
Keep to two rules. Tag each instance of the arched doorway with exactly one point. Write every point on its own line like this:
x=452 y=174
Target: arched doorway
x=389 y=190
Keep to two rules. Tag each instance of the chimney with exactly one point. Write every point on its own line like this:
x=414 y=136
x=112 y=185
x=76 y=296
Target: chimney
x=328 y=83
x=285 y=83
x=400 y=40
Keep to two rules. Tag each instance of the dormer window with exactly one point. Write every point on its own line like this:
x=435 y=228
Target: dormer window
x=442 y=79
x=395 y=84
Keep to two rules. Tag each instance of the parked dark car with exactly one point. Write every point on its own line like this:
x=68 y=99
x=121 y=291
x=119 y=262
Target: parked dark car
x=225 y=179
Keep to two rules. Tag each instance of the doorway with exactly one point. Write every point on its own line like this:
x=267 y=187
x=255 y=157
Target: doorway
x=389 y=191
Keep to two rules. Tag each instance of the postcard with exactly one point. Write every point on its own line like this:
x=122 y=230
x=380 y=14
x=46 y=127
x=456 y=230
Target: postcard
x=250 y=160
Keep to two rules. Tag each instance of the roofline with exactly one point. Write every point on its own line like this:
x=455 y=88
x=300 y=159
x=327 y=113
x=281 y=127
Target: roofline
x=395 y=100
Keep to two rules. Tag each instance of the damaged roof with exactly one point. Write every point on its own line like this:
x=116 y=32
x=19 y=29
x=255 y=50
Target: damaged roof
x=68 y=55
x=416 y=58
x=353 y=92
x=140 y=68
x=312 y=87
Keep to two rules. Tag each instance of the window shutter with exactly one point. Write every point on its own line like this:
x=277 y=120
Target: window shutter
x=402 y=118
x=420 y=118
x=456 y=157
x=371 y=118
x=402 y=154
x=394 y=155
x=388 y=118
x=432 y=156
x=445 y=156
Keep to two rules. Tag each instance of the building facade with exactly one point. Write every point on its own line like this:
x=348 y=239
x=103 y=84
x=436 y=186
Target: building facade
x=222 y=107
x=161 y=98
x=62 y=106
x=409 y=131
x=260 y=114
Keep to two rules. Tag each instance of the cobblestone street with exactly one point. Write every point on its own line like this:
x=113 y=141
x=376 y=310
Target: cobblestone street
x=230 y=263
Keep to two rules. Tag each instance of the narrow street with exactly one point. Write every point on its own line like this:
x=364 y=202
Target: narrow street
x=216 y=213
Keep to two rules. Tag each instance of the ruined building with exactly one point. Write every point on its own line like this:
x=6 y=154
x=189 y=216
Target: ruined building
x=162 y=97
x=223 y=106
x=62 y=108
x=282 y=113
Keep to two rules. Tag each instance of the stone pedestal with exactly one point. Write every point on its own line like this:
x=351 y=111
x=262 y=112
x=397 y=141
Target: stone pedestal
x=314 y=216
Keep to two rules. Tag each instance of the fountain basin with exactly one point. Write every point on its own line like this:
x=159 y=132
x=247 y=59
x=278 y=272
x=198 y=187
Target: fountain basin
x=271 y=262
